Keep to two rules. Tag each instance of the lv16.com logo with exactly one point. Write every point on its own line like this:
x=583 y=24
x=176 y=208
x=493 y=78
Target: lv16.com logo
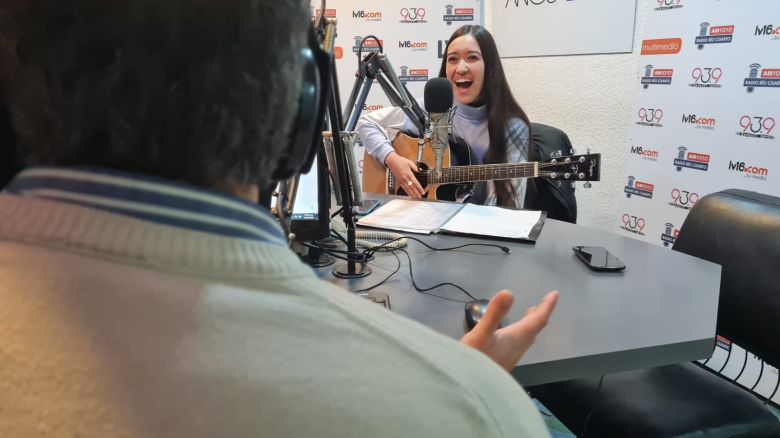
x=633 y=224
x=749 y=171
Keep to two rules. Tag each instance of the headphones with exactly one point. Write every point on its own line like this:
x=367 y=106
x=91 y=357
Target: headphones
x=306 y=134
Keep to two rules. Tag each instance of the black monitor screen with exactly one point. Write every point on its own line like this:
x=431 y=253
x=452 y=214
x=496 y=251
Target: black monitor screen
x=310 y=219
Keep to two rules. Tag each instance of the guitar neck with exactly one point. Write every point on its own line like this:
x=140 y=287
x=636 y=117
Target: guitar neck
x=483 y=172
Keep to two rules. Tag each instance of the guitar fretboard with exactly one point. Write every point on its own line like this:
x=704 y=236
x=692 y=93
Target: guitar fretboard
x=482 y=172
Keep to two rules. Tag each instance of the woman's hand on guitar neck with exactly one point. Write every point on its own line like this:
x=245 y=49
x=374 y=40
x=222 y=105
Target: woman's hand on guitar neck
x=403 y=171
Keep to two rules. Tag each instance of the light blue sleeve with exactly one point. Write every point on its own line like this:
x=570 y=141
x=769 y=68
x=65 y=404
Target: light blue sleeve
x=378 y=128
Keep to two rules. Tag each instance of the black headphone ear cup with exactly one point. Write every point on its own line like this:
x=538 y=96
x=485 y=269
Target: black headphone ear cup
x=306 y=134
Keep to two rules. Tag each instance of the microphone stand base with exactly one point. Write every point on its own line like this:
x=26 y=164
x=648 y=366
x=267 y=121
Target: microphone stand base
x=342 y=271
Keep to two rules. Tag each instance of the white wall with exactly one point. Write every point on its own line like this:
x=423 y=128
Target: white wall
x=589 y=97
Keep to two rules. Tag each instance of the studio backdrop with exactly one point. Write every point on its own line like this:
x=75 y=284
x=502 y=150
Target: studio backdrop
x=413 y=35
x=703 y=120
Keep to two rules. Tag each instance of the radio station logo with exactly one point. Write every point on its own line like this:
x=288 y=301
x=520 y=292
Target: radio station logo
x=669 y=236
x=691 y=160
x=639 y=188
x=683 y=199
x=633 y=224
x=329 y=13
x=656 y=76
x=665 y=5
x=413 y=74
x=706 y=77
x=723 y=343
x=371 y=45
x=414 y=46
x=412 y=15
x=369 y=108
x=749 y=171
x=338 y=52
x=707 y=123
x=769 y=78
x=756 y=127
x=452 y=14
x=645 y=154
x=714 y=35
x=663 y=46
x=530 y=2
x=770 y=30
x=367 y=15
x=650 y=117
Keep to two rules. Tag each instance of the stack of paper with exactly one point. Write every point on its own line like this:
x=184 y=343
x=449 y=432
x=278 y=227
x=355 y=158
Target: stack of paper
x=416 y=216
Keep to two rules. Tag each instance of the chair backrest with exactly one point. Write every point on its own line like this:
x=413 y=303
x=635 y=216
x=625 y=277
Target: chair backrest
x=740 y=230
x=555 y=197
x=8 y=164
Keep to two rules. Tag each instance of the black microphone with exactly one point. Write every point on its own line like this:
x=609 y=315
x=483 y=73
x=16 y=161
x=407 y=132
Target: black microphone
x=438 y=104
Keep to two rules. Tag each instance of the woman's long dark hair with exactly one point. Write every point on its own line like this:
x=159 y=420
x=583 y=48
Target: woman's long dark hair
x=501 y=106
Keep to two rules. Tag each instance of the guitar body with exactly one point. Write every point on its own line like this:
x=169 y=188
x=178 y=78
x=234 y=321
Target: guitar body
x=450 y=180
x=378 y=179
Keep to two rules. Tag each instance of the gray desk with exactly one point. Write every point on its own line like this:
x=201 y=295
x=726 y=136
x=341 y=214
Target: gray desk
x=661 y=310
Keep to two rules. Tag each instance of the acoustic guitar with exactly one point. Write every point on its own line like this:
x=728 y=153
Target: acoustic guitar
x=378 y=179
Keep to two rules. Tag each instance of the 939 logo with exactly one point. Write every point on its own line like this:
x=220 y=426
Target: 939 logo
x=756 y=127
x=706 y=77
x=650 y=117
x=633 y=224
x=665 y=5
x=412 y=15
x=683 y=199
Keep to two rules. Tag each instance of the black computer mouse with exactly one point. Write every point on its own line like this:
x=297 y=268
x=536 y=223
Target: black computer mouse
x=474 y=312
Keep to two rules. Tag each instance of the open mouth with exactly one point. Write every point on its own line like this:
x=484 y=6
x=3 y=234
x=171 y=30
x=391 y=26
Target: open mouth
x=463 y=84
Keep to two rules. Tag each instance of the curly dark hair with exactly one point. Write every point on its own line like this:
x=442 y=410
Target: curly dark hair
x=198 y=91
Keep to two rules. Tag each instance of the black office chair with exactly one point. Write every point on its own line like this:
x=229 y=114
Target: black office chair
x=739 y=230
x=8 y=163
x=555 y=197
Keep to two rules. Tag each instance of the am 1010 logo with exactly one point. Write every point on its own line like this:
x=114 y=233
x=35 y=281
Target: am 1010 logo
x=369 y=45
x=633 y=224
x=669 y=236
x=716 y=35
x=693 y=160
x=453 y=14
x=749 y=171
x=656 y=76
x=650 y=117
x=756 y=127
x=665 y=5
x=683 y=199
x=706 y=77
x=638 y=188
